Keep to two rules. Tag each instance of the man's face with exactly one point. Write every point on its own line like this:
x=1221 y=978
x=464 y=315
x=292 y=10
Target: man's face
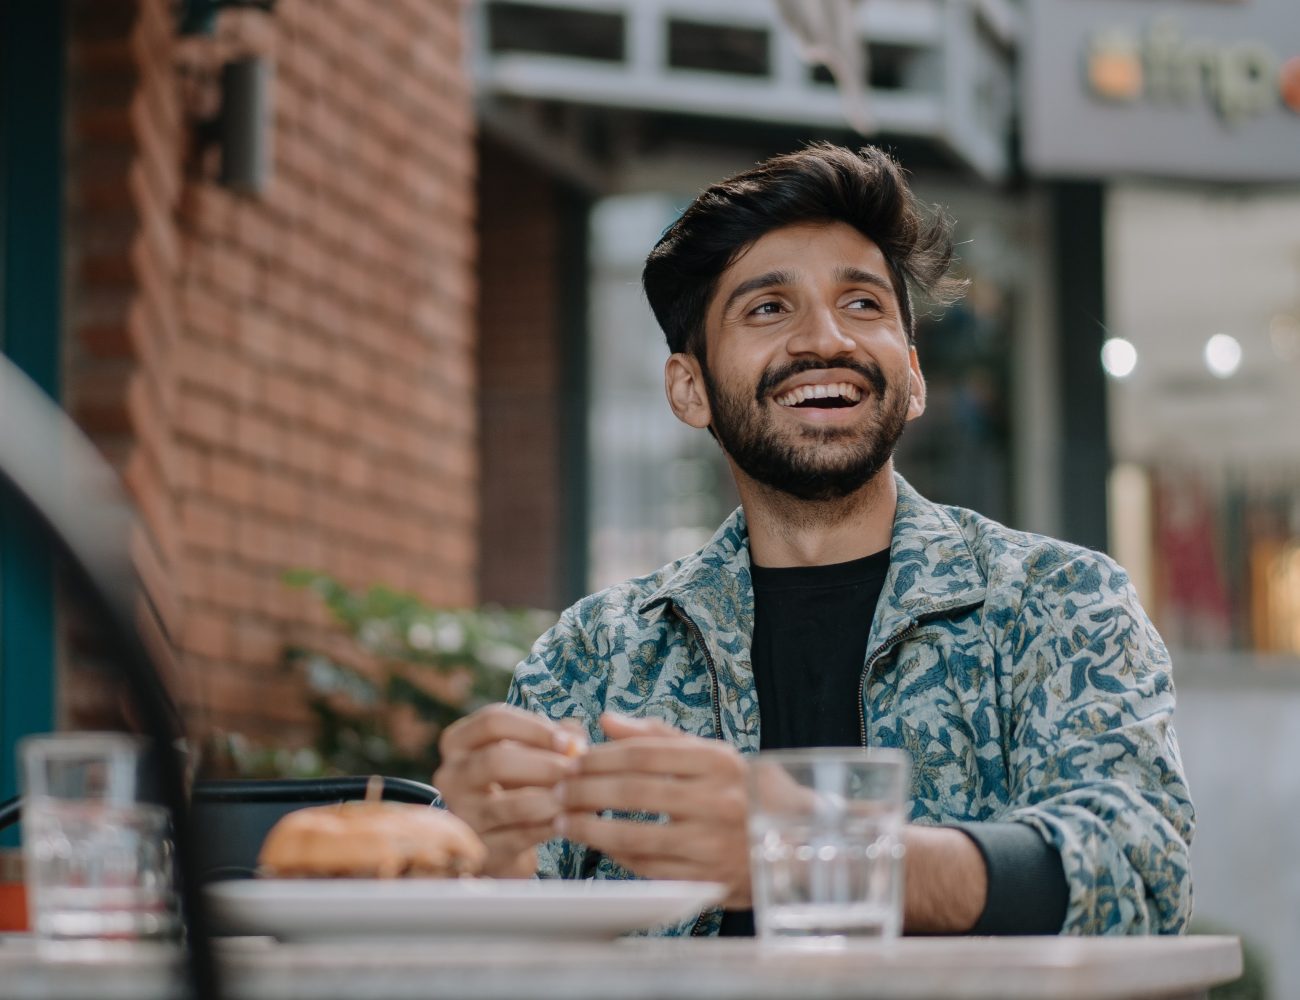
x=809 y=377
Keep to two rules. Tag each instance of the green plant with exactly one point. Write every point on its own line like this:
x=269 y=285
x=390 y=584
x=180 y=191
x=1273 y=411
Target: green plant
x=404 y=671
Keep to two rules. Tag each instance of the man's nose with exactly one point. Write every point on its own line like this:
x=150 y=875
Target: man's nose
x=820 y=333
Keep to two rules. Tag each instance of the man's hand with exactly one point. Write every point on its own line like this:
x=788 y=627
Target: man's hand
x=650 y=767
x=499 y=770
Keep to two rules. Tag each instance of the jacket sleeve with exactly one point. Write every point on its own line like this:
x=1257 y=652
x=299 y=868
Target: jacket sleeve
x=550 y=682
x=1094 y=760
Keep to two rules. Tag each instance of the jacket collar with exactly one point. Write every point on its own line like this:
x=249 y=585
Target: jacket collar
x=932 y=570
x=715 y=580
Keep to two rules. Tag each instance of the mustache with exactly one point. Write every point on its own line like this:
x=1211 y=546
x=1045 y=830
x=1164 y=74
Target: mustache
x=775 y=376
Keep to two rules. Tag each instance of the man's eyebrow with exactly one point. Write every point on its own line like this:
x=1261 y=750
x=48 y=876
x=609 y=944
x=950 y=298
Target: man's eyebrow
x=768 y=279
x=856 y=276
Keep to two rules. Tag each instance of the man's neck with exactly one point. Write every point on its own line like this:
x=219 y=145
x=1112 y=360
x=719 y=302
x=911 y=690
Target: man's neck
x=787 y=531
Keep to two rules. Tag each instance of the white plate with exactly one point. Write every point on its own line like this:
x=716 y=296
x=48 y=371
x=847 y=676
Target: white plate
x=310 y=909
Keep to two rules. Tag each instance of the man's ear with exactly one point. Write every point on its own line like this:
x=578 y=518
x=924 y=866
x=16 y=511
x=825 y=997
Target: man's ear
x=684 y=386
x=915 y=387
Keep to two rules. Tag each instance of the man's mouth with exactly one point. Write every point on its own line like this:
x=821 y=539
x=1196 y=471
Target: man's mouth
x=834 y=395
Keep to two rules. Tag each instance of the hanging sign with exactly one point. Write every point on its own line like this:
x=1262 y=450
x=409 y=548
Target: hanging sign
x=1175 y=88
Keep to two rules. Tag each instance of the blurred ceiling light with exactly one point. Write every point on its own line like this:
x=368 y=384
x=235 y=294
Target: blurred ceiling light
x=1222 y=355
x=1119 y=357
x=1284 y=334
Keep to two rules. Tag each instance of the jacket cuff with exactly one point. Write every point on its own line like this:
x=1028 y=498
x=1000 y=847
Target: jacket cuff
x=1027 y=889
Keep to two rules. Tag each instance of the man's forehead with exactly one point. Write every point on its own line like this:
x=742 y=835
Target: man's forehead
x=795 y=249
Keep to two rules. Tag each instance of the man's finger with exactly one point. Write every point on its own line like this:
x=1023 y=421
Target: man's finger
x=683 y=756
x=502 y=862
x=503 y=722
x=513 y=765
x=512 y=842
x=520 y=807
x=626 y=837
x=642 y=793
x=621 y=727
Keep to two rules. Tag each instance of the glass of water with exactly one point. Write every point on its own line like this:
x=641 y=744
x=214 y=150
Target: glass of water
x=825 y=836
x=98 y=862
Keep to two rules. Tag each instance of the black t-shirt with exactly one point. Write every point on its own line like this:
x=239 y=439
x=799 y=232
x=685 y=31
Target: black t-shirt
x=811 y=626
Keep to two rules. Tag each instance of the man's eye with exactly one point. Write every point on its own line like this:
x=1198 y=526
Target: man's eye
x=864 y=303
x=766 y=309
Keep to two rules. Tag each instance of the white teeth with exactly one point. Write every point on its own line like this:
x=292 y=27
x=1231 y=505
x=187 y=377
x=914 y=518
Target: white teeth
x=836 y=389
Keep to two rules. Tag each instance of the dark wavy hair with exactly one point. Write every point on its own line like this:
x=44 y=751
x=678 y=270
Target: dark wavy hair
x=820 y=183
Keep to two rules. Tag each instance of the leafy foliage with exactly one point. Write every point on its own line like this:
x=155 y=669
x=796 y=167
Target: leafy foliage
x=408 y=671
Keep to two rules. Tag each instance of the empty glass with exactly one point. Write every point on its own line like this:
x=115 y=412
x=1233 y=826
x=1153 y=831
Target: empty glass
x=825 y=834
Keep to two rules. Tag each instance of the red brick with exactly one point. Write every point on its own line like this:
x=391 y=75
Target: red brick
x=230 y=587
x=280 y=495
x=209 y=209
x=189 y=470
x=253 y=541
x=262 y=337
x=206 y=313
x=284 y=292
x=207 y=633
x=204 y=419
x=327 y=411
x=230 y=479
x=285 y=395
x=258 y=643
x=206 y=525
x=233 y=273
x=259 y=437
x=259 y=234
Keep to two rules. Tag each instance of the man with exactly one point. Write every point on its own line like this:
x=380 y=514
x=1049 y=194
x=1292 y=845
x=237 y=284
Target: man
x=838 y=607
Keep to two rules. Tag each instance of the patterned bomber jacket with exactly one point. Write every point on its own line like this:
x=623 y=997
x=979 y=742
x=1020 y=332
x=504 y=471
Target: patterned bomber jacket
x=1018 y=672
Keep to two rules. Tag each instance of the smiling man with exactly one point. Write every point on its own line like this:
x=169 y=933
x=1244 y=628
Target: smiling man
x=837 y=607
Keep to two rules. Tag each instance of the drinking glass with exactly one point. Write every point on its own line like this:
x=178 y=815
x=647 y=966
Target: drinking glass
x=826 y=850
x=98 y=862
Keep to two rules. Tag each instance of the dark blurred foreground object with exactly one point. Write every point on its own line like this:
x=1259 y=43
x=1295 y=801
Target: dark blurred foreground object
x=241 y=127
x=52 y=476
x=244 y=124
x=232 y=818
x=199 y=17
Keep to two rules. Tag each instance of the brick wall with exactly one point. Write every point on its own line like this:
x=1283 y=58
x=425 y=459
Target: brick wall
x=288 y=379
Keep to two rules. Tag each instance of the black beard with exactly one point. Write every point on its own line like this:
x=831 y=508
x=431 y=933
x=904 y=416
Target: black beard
x=802 y=470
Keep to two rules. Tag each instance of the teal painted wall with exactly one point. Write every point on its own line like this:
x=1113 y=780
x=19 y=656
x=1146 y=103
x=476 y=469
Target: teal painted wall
x=31 y=293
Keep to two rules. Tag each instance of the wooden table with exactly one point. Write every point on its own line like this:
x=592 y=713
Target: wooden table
x=640 y=969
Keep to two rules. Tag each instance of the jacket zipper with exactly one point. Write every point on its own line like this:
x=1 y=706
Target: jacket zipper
x=715 y=694
x=881 y=650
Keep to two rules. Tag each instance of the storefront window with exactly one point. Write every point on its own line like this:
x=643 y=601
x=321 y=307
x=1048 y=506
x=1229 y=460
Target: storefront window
x=1204 y=307
x=963 y=450
x=657 y=488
